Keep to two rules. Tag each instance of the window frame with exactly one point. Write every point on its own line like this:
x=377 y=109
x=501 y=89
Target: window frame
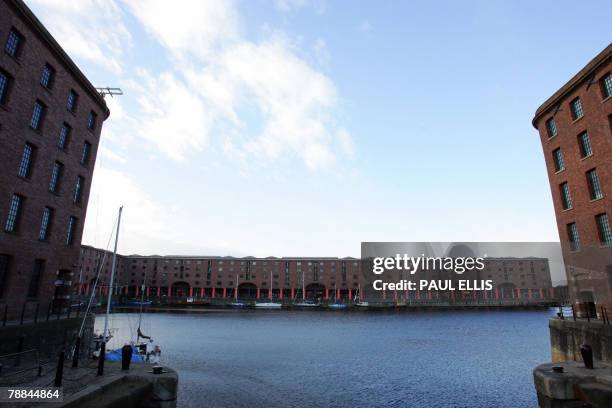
x=50 y=78
x=576 y=108
x=18 y=47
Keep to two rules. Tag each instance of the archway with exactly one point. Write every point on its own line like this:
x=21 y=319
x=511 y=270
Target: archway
x=247 y=291
x=180 y=289
x=315 y=291
x=507 y=290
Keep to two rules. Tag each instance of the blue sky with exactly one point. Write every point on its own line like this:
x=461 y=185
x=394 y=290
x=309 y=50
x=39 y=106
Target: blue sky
x=298 y=127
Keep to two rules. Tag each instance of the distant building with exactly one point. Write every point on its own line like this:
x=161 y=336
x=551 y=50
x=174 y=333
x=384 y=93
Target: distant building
x=325 y=277
x=50 y=122
x=575 y=126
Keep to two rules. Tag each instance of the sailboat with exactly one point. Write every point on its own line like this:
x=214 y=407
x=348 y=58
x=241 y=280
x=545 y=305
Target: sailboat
x=236 y=304
x=306 y=303
x=358 y=301
x=337 y=305
x=270 y=304
x=140 y=353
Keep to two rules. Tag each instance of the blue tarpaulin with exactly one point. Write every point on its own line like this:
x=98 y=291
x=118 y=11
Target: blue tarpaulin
x=115 y=355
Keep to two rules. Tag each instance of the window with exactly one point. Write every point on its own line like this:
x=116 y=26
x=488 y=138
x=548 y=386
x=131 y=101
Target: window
x=12 y=219
x=14 y=43
x=71 y=227
x=594 y=185
x=25 y=165
x=47 y=77
x=78 y=187
x=606 y=85
x=4 y=86
x=585 y=145
x=566 y=198
x=45 y=224
x=4 y=266
x=72 y=101
x=572 y=235
x=39 y=268
x=56 y=174
x=91 y=120
x=85 y=153
x=603 y=227
x=576 y=109
x=64 y=136
x=558 y=159
x=551 y=127
x=37 y=115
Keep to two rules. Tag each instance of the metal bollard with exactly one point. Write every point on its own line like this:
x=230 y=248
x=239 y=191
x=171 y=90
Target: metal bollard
x=101 y=359
x=126 y=357
x=22 y=313
x=36 y=313
x=59 y=372
x=5 y=315
x=587 y=355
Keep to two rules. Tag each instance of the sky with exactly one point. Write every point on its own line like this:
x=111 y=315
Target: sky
x=304 y=127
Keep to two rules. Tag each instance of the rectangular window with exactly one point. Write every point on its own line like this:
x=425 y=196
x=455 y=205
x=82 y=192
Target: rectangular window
x=78 y=187
x=47 y=76
x=37 y=115
x=603 y=227
x=12 y=220
x=606 y=85
x=71 y=227
x=91 y=120
x=27 y=157
x=13 y=43
x=576 y=108
x=551 y=127
x=4 y=266
x=85 y=153
x=558 y=159
x=45 y=224
x=64 y=136
x=566 y=198
x=56 y=174
x=4 y=86
x=594 y=185
x=585 y=145
x=37 y=272
x=72 y=101
x=572 y=235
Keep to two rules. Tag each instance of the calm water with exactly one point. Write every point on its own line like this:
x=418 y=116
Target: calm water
x=311 y=359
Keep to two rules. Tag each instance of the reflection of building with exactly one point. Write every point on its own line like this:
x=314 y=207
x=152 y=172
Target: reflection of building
x=50 y=122
x=575 y=126
x=184 y=276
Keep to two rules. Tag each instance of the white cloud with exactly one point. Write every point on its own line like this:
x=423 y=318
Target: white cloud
x=89 y=29
x=196 y=27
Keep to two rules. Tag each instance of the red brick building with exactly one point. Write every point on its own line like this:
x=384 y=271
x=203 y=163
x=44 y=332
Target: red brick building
x=50 y=122
x=575 y=126
x=325 y=277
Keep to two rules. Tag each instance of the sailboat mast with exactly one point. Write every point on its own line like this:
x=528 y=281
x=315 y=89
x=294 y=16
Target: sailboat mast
x=112 y=277
x=144 y=284
x=236 y=294
x=303 y=288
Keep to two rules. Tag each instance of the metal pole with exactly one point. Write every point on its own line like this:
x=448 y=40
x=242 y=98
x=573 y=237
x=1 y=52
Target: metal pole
x=5 y=315
x=77 y=351
x=112 y=278
x=59 y=372
x=22 y=313
x=36 y=312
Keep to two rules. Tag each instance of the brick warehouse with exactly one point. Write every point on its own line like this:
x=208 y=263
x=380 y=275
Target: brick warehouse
x=50 y=122
x=325 y=277
x=575 y=126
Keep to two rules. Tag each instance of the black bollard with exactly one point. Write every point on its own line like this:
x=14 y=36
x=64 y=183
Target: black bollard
x=126 y=357
x=101 y=359
x=36 y=313
x=5 y=315
x=59 y=372
x=22 y=313
x=587 y=355
x=77 y=351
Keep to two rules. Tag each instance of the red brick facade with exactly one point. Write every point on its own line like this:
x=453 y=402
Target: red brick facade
x=21 y=247
x=588 y=264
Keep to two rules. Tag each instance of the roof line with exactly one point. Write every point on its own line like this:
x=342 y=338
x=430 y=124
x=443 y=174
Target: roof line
x=29 y=17
x=601 y=59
